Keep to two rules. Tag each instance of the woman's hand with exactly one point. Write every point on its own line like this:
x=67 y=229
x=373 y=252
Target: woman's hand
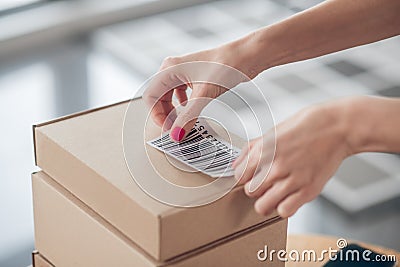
x=312 y=33
x=176 y=76
x=309 y=148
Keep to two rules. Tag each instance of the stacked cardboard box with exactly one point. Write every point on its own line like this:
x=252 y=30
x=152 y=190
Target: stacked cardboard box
x=88 y=210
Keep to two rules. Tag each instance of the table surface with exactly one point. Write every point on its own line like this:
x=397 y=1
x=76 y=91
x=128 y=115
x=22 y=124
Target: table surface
x=319 y=243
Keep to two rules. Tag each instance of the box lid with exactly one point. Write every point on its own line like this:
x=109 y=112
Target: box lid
x=85 y=154
x=39 y=260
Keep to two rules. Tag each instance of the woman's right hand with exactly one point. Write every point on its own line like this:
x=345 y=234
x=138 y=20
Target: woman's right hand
x=176 y=76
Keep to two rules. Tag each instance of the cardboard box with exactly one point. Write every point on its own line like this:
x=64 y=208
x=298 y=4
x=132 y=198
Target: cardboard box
x=69 y=233
x=84 y=153
x=39 y=261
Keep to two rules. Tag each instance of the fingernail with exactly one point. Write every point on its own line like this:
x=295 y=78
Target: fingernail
x=178 y=133
x=247 y=186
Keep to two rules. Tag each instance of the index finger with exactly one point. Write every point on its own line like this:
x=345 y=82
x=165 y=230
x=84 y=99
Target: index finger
x=158 y=96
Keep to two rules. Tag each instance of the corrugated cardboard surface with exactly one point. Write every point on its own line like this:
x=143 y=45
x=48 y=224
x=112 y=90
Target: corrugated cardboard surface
x=84 y=153
x=69 y=233
x=39 y=261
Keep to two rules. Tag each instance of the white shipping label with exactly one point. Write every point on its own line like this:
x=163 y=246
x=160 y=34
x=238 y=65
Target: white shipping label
x=202 y=149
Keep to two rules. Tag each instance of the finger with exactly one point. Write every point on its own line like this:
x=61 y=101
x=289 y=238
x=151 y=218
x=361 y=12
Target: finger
x=243 y=154
x=181 y=95
x=264 y=167
x=272 y=197
x=169 y=121
x=264 y=179
x=161 y=109
x=260 y=190
x=158 y=94
x=248 y=167
x=292 y=203
x=186 y=119
x=263 y=186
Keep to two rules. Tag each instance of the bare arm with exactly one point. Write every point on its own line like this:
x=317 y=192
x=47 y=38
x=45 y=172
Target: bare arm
x=373 y=124
x=311 y=145
x=329 y=27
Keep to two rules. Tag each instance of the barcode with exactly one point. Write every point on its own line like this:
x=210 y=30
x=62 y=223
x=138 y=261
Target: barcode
x=202 y=149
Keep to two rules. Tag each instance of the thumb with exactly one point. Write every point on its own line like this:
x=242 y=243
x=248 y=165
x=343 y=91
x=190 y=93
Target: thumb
x=189 y=113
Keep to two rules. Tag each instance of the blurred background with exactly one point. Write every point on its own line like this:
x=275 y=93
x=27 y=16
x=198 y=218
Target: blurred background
x=59 y=57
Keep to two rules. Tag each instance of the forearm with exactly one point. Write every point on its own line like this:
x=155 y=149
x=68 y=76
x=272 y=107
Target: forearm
x=329 y=27
x=372 y=124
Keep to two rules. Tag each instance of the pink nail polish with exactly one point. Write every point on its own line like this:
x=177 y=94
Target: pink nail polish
x=177 y=133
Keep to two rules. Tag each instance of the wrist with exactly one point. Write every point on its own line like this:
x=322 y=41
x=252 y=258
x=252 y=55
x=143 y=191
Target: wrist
x=341 y=121
x=356 y=126
x=253 y=53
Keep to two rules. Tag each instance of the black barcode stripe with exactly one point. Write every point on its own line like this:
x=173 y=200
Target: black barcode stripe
x=199 y=156
x=196 y=147
x=209 y=155
x=205 y=162
x=218 y=164
x=186 y=153
x=184 y=144
x=197 y=152
x=166 y=140
x=175 y=145
x=220 y=156
x=193 y=131
x=167 y=137
x=161 y=140
x=218 y=161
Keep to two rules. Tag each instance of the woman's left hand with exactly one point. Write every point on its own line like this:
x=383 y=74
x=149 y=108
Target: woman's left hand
x=310 y=146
